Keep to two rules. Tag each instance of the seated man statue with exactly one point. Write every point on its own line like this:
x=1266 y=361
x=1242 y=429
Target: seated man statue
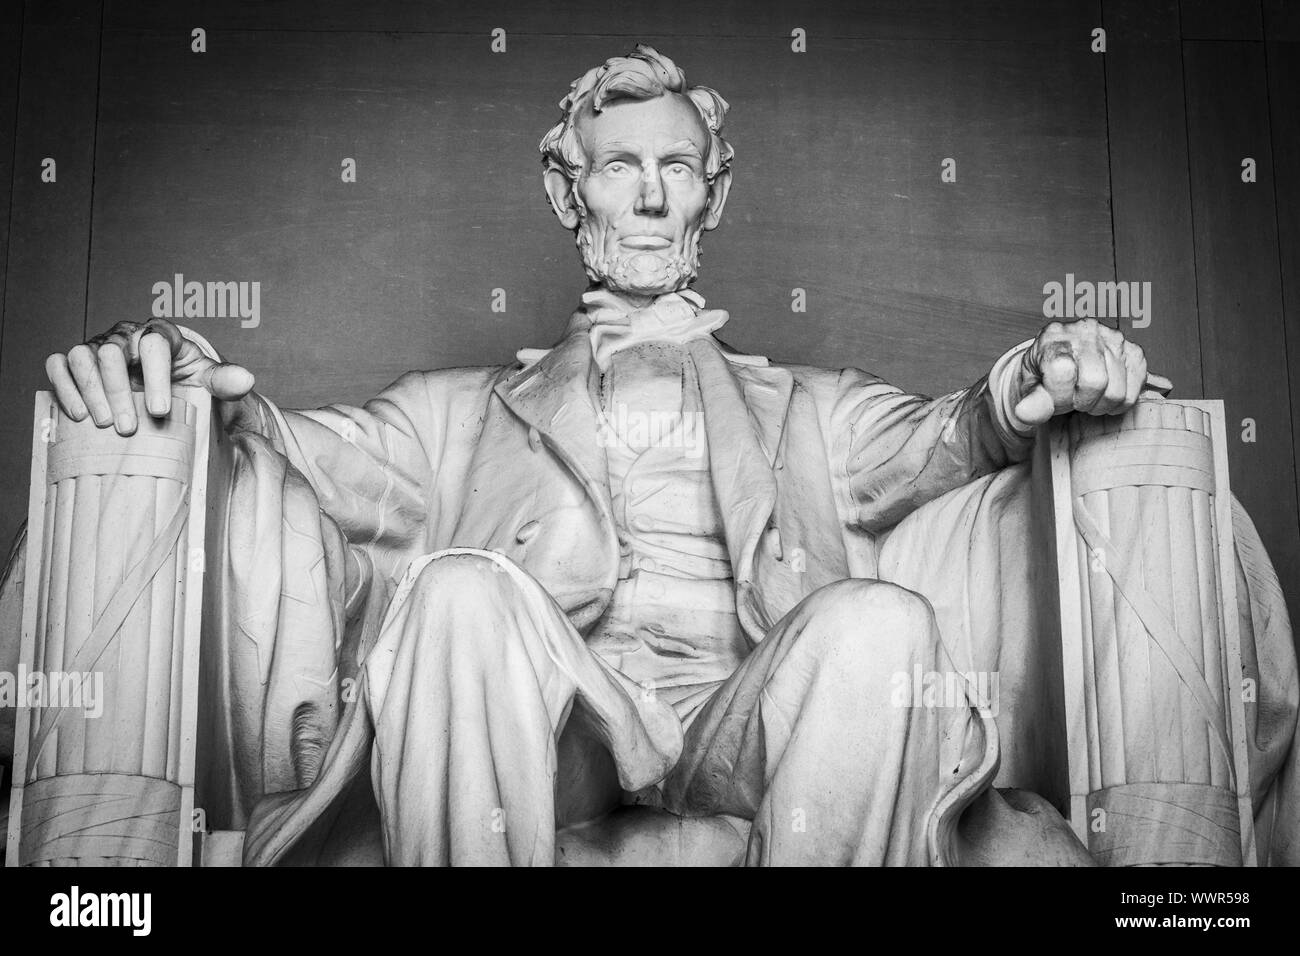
x=630 y=571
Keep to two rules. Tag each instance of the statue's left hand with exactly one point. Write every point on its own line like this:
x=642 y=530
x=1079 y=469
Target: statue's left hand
x=1081 y=366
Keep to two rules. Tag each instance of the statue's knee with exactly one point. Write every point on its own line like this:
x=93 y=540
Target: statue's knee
x=876 y=618
x=458 y=600
x=462 y=576
x=462 y=609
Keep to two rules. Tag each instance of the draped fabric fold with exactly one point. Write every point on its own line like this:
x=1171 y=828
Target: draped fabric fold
x=272 y=685
x=989 y=598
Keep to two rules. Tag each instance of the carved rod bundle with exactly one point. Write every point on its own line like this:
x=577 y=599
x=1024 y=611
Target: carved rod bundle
x=114 y=589
x=1151 y=655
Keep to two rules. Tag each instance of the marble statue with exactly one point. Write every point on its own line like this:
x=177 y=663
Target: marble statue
x=638 y=597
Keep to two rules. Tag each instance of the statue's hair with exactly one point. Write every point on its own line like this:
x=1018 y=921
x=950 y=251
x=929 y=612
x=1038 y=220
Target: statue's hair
x=642 y=75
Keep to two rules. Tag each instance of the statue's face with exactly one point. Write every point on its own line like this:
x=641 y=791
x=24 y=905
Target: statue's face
x=643 y=198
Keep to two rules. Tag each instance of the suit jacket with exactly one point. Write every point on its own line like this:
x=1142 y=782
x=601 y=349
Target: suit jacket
x=808 y=465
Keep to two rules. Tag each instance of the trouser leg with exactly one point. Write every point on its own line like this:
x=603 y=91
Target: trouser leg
x=817 y=737
x=469 y=686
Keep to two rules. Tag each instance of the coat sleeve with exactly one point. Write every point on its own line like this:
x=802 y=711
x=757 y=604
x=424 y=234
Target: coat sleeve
x=892 y=451
x=371 y=467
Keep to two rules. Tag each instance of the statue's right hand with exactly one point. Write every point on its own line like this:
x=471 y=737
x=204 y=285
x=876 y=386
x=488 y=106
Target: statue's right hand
x=95 y=378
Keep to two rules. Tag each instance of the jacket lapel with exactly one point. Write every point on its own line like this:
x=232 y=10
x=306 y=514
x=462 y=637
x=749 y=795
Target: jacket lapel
x=744 y=416
x=557 y=396
x=767 y=395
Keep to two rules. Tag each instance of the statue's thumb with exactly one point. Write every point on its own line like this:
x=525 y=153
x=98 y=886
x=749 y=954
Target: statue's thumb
x=1036 y=407
x=229 y=382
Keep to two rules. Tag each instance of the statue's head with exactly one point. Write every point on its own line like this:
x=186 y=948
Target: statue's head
x=637 y=168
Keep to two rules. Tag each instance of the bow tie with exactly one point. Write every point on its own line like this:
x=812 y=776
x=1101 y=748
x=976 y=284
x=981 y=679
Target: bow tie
x=677 y=317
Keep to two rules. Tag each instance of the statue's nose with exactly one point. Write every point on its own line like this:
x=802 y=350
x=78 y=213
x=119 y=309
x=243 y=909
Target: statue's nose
x=651 y=200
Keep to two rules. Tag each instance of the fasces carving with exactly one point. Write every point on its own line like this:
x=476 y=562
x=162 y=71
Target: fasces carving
x=1153 y=667
x=114 y=595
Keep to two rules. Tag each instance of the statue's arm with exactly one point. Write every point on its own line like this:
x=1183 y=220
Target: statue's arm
x=371 y=466
x=894 y=451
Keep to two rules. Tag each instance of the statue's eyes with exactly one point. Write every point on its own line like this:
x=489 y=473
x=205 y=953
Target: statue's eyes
x=617 y=168
x=678 y=170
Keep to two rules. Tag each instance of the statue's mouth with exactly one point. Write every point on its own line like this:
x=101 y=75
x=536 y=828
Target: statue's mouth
x=645 y=242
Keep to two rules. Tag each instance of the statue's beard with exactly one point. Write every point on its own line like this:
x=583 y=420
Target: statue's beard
x=636 y=271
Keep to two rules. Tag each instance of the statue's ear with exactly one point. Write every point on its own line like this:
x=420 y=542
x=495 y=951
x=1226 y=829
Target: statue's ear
x=559 y=188
x=718 y=190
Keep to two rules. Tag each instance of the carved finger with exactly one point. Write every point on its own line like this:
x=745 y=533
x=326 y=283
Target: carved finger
x=229 y=382
x=1090 y=384
x=1036 y=407
x=1112 y=398
x=117 y=387
x=121 y=340
x=1060 y=372
x=1112 y=338
x=156 y=370
x=126 y=335
x=85 y=372
x=65 y=389
x=170 y=333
